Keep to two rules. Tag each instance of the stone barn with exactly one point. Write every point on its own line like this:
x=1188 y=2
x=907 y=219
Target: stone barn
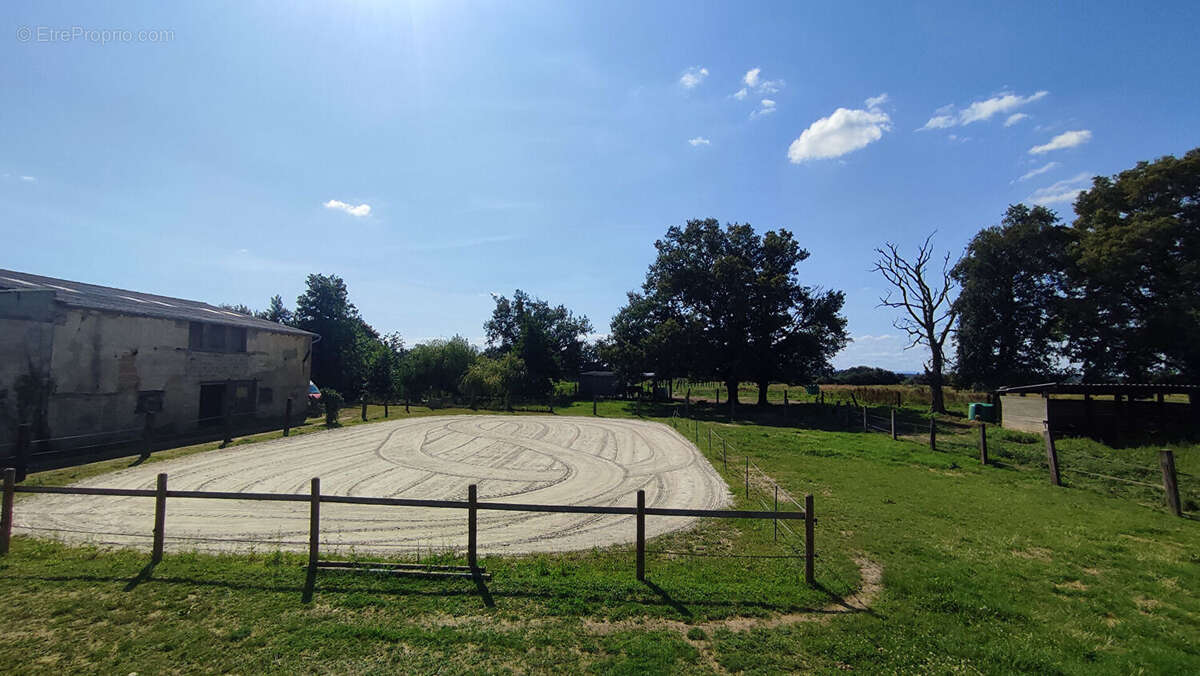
x=86 y=364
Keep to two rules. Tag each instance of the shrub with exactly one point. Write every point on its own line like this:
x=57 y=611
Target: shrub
x=333 y=400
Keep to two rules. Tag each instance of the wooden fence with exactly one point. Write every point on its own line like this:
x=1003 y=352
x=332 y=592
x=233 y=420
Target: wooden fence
x=472 y=505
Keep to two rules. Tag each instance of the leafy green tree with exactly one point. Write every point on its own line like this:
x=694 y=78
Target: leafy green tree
x=795 y=330
x=1012 y=288
x=277 y=312
x=239 y=308
x=436 y=367
x=384 y=367
x=740 y=312
x=1135 y=311
x=325 y=309
x=648 y=335
x=549 y=339
x=863 y=375
x=489 y=378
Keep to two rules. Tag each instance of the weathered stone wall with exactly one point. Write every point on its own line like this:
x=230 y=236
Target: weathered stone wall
x=26 y=344
x=98 y=362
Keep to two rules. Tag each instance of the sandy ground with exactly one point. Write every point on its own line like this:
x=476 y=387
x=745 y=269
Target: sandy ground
x=544 y=459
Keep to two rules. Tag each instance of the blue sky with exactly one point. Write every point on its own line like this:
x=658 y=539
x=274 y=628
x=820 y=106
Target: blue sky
x=432 y=153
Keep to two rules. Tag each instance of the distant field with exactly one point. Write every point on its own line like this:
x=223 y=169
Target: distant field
x=873 y=395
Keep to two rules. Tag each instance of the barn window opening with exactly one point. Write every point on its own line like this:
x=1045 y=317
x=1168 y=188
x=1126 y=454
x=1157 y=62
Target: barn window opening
x=207 y=337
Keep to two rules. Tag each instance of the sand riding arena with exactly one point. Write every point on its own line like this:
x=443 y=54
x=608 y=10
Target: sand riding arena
x=543 y=459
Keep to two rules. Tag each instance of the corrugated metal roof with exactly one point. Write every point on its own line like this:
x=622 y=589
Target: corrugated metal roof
x=1101 y=388
x=121 y=301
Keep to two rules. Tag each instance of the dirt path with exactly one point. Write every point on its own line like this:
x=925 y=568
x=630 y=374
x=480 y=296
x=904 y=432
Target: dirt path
x=544 y=459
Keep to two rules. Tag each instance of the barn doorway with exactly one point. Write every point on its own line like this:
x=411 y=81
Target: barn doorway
x=212 y=403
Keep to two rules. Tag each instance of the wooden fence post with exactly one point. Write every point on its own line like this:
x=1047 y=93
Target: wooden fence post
x=314 y=526
x=406 y=406
x=1051 y=454
x=893 y=423
x=472 y=526
x=810 y=551
x=593 y=406
x=385 y=408
x=287 y=417
x=24 y=435
x=641 y=535
x=718 y=390
x=147 y=434
x=983 y=456
x=160 y=517
x=864 y=418
x=6 y=509
x=364 y=410
x=932 y=433
x=747 y=477
x=1170 y=483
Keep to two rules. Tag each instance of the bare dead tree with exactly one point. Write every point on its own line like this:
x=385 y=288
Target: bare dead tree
x=928 y=311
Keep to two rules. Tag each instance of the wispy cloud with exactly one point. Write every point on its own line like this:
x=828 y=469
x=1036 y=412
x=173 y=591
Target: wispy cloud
x=754 y=83
x=876 y=101
x=354 y=210
x=1063 y=191
x=1067 y=139
x=1039 y=171
x=693 y=76
x=844 y=131
x=699 y=141
x=766 y=107
x=1015 y=118
x=29 y=179
x=978 y=111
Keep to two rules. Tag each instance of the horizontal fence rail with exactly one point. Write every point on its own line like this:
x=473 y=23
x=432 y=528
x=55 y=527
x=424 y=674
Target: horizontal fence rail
x=315 y=498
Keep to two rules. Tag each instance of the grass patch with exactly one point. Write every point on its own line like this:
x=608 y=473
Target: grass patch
x=984 y=569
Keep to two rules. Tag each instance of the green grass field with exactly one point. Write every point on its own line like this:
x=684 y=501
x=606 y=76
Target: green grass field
x=983 y=569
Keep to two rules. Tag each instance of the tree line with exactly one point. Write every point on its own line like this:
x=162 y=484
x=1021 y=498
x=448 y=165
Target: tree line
x=530 y=345
x=1113 y=295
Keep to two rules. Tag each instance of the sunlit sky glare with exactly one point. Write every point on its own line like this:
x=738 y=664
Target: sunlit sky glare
x=432 y=153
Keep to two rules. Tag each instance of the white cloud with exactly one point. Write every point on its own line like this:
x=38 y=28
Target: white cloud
x=360 y=210
x=766 y=107
x=979 y=111
x=770 y=86
x=29 y=179
x=754 y=83
x=699 y=141
x=1067 y=139
x=1039 y=171
x=842 y=132
x=1015 y=118
x=876 y=101
x=984 y=110
x=693 y=76
x=1063 y=191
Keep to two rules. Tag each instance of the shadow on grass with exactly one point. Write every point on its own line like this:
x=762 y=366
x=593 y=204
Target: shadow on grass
x=144 y=574
x=661 y=601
